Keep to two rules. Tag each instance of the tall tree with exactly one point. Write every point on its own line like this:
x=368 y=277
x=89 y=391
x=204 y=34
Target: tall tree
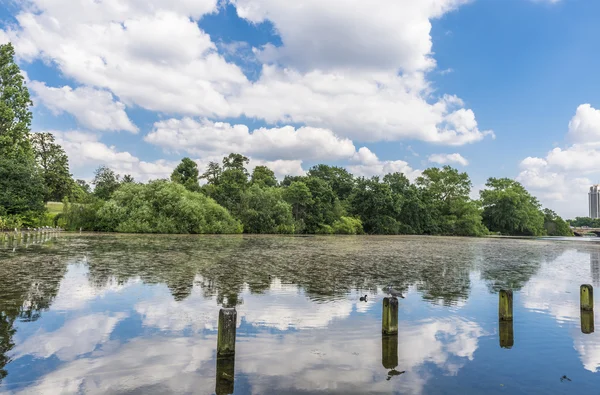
x=15 y=116
x=555 y=225
x=128 y=179
x=21 y=188
x=54 y=164
x=106 y=182
x=340 y=180
x=212 y=173
x=263 y=177
x=186 y=173
x=509 y=209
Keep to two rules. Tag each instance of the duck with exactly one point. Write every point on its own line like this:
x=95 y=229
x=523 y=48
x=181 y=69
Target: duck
x=363 y=298
x=394 y=292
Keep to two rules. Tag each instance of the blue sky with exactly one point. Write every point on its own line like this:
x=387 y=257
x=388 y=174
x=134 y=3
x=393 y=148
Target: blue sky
x=495 y=88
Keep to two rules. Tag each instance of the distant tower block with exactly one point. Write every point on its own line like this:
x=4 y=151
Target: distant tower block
x=594 y=201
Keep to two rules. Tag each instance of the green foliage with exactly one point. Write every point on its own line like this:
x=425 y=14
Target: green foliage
x=509 y=209
x=263 y=177
x=348 y=226
x=585 y=221
x=54 y=165
x=338 y=178
x=555 y=225
x=163 y=207
x=186 y=174
x=106 y=182
x=21 y=188
x=15 y=116
x=265 y=211
x=229 y=183
x=376 y=205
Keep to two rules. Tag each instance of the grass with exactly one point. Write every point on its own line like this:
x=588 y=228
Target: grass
x=54 y=207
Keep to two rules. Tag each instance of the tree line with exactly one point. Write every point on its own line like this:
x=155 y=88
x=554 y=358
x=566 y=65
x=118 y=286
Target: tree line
x=227 y=198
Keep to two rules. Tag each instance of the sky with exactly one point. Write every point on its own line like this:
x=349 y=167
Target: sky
x=496 y=88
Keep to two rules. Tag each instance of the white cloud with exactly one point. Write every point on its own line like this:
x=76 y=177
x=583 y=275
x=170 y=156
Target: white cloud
x=448 y=158
x=369 y=165
x=326 y=35
x=93 y=108
x=562 y=178
x=85 y=151
x=217 y=138
x=152 y=55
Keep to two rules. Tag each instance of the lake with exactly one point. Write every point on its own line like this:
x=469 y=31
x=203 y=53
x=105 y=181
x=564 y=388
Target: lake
x=127 y=314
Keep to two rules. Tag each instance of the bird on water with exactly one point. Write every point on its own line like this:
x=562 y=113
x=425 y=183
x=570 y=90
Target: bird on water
x=394 y=292
x=363 y=298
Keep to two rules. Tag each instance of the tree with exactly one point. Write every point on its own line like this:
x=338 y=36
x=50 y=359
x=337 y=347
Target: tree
x=265 y=211
x=186 y=173
x=21 y=188
x=232 y=182
x=212 y=173
x=446 y=196
x=15 y=116
x=299 y=196
x=84 y=186
x=338 y=178
x=263 y=176
x=54 y=164
x=375 y=204
x=106 y=182
x=235 y=162
x=555 y=225
x=509 y=209
x=128 y=179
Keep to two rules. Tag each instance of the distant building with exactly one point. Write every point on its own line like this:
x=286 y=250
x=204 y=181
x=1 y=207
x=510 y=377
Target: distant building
x=594 y=200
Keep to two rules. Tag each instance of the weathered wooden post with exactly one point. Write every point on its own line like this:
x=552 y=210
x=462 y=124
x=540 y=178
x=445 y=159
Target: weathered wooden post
x=389 y=351
x=505 y=305
x=507 y=335
x=226 y=335
x=390 y=316
x=586 y=293
x=226 y=351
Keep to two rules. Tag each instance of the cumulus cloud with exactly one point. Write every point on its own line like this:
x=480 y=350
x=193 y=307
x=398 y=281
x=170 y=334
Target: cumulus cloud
x=85 y=151
x=444 y=159
x=562 y=178
x=205 y=137
x=375 y=35
x=93 y=108
x=152 y=54
x=368 y=165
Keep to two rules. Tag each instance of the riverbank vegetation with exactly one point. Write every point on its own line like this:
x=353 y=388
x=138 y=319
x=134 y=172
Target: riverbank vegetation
x=227 y=198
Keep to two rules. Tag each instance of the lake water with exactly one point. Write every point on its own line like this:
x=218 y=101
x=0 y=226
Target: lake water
x=121 y=314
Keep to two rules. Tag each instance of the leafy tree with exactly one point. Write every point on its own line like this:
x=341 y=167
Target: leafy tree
x=263 y=176
x=446 y=196
x=128 y=179
x=585 y=221
x=106 y=182
x=338 y=178
x=15 y=116
x=232 y=183
x=21 y=188
x=235 y=162
x=212 y=173
x=298 y=195
x=186 y=173
x=84 y=186
x=375 y=204
x=509 y=209
x=54 y=164
x=164 y=207
x=265 y=211
x=555 y=225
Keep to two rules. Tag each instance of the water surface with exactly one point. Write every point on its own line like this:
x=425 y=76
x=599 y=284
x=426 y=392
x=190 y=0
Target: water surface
x=121 y=314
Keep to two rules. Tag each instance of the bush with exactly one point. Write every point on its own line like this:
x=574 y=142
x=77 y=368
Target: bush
x=163 y=207
x=348 y=226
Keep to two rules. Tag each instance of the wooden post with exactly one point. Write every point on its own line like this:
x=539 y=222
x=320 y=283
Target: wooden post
x=390 y=316
x=587 y=322
x=507 y=336
x=389 y=351
x=586 y=292
x=505 y=305
x=226 y=334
